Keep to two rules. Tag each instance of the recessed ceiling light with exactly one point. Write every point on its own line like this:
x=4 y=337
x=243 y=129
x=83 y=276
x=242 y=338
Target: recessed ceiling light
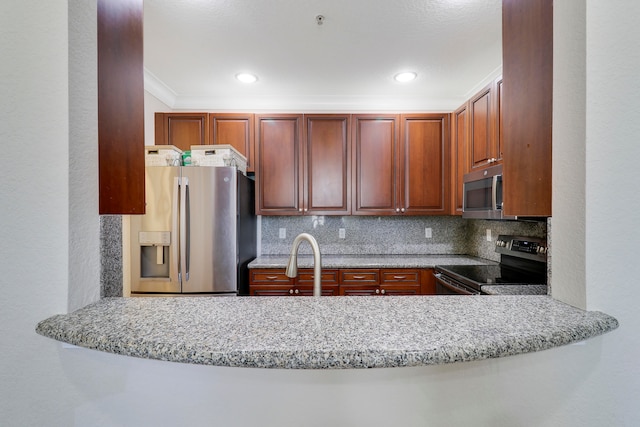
x=405 y=77
x=246 y=78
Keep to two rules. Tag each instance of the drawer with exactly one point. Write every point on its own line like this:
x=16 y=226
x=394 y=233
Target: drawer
x=269 y=276
x=401 y=277
x=329 y=277
x=370 y=277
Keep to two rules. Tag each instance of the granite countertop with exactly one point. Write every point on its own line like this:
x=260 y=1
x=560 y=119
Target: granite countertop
x=369 y=261
x=325 y=332
x=515 y=289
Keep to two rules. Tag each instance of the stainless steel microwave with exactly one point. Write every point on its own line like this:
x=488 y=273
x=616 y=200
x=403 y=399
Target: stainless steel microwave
x=482 y=194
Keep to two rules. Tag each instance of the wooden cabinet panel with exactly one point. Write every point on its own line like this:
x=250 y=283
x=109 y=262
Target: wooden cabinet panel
x=358 y=281
x=527 y=46
x=481 y=128
x=427 y=282
x=274 y=282
x=279 y=164
x=375 y=162
x=459 y=163
x=120 y=107
x=327 y=184
x=182 y=129
x=424 y=155
x=237 y=130
x=498 y=137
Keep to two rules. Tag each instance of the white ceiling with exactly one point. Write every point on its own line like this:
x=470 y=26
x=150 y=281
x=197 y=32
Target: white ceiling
x=194 y=49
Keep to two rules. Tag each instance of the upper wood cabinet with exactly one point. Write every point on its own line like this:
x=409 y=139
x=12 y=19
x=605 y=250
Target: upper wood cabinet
x=375 y=160
x=484 y=126
x=423 y=172
x=279 y=164
x=120 y=107
x=182 y=129
x=237 y=130
x=401 y=164
x=459 y=162
x=303 y=164
x=327 y=164
x=527 y=48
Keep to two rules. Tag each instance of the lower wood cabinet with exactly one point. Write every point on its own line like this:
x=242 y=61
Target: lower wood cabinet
x=274 y=282
x=354 y=282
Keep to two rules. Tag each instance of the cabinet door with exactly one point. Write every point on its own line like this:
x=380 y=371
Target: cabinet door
x=497 y=87
x=120 y=107
x=424 y=159
x=527 y=46
x=279 y=164
x=182 y=129
x=481 y=128
x=236 y=130
x=459 y=164
x=374 y=139
x=327 y=180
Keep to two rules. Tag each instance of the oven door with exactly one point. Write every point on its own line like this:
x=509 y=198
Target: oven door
x=445 y=285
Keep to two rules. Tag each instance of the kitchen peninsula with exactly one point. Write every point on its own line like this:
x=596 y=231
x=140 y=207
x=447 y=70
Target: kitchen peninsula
x=326 y=332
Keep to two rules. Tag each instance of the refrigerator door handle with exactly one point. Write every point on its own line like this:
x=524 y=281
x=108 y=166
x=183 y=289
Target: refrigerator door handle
x=184 y=228
x=175 y=232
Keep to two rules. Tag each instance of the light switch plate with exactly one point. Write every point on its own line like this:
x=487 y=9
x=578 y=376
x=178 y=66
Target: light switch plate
x=282 y=233
x=488 y=234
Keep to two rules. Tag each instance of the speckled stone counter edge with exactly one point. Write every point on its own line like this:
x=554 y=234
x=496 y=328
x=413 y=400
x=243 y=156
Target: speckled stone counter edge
x=118 y=325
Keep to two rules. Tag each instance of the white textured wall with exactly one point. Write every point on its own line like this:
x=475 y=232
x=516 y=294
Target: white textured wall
x=569 y=153
x=151 y=105
x=84 y=225
x=44 y=383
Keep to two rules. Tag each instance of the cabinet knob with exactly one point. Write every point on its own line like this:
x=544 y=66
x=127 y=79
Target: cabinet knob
x=402 y=210
x=397 y=209
x=291 y=291
x=300 y=210
x=377 y=291
x=382 y=292
x=306 y=210
x=297 y=291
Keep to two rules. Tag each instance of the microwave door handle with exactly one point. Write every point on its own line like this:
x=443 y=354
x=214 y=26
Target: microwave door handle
x=494 y=193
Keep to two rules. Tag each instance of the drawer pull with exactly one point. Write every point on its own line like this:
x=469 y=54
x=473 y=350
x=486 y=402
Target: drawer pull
x=359 y=277
x=399 y=277
x=272 y=277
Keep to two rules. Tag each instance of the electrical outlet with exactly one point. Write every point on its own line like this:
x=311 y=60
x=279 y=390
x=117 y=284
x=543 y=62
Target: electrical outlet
x=282 y=233
x=342 y=233
x=488 y=234
x=427 y=233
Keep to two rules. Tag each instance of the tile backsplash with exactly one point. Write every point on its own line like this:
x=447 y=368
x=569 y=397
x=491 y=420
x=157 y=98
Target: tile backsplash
x=393 y=235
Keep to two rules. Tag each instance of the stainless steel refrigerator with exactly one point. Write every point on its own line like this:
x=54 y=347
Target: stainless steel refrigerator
x=198 y=233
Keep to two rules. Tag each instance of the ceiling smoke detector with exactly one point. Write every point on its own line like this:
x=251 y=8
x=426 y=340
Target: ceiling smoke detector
x=320 y=19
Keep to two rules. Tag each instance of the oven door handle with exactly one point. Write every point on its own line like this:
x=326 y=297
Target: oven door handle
x=458 y=289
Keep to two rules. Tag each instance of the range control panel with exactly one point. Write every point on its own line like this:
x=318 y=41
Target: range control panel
x=523 y=247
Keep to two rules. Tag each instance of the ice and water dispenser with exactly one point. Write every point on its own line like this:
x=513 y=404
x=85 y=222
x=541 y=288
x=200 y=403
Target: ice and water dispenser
x=154 y=253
